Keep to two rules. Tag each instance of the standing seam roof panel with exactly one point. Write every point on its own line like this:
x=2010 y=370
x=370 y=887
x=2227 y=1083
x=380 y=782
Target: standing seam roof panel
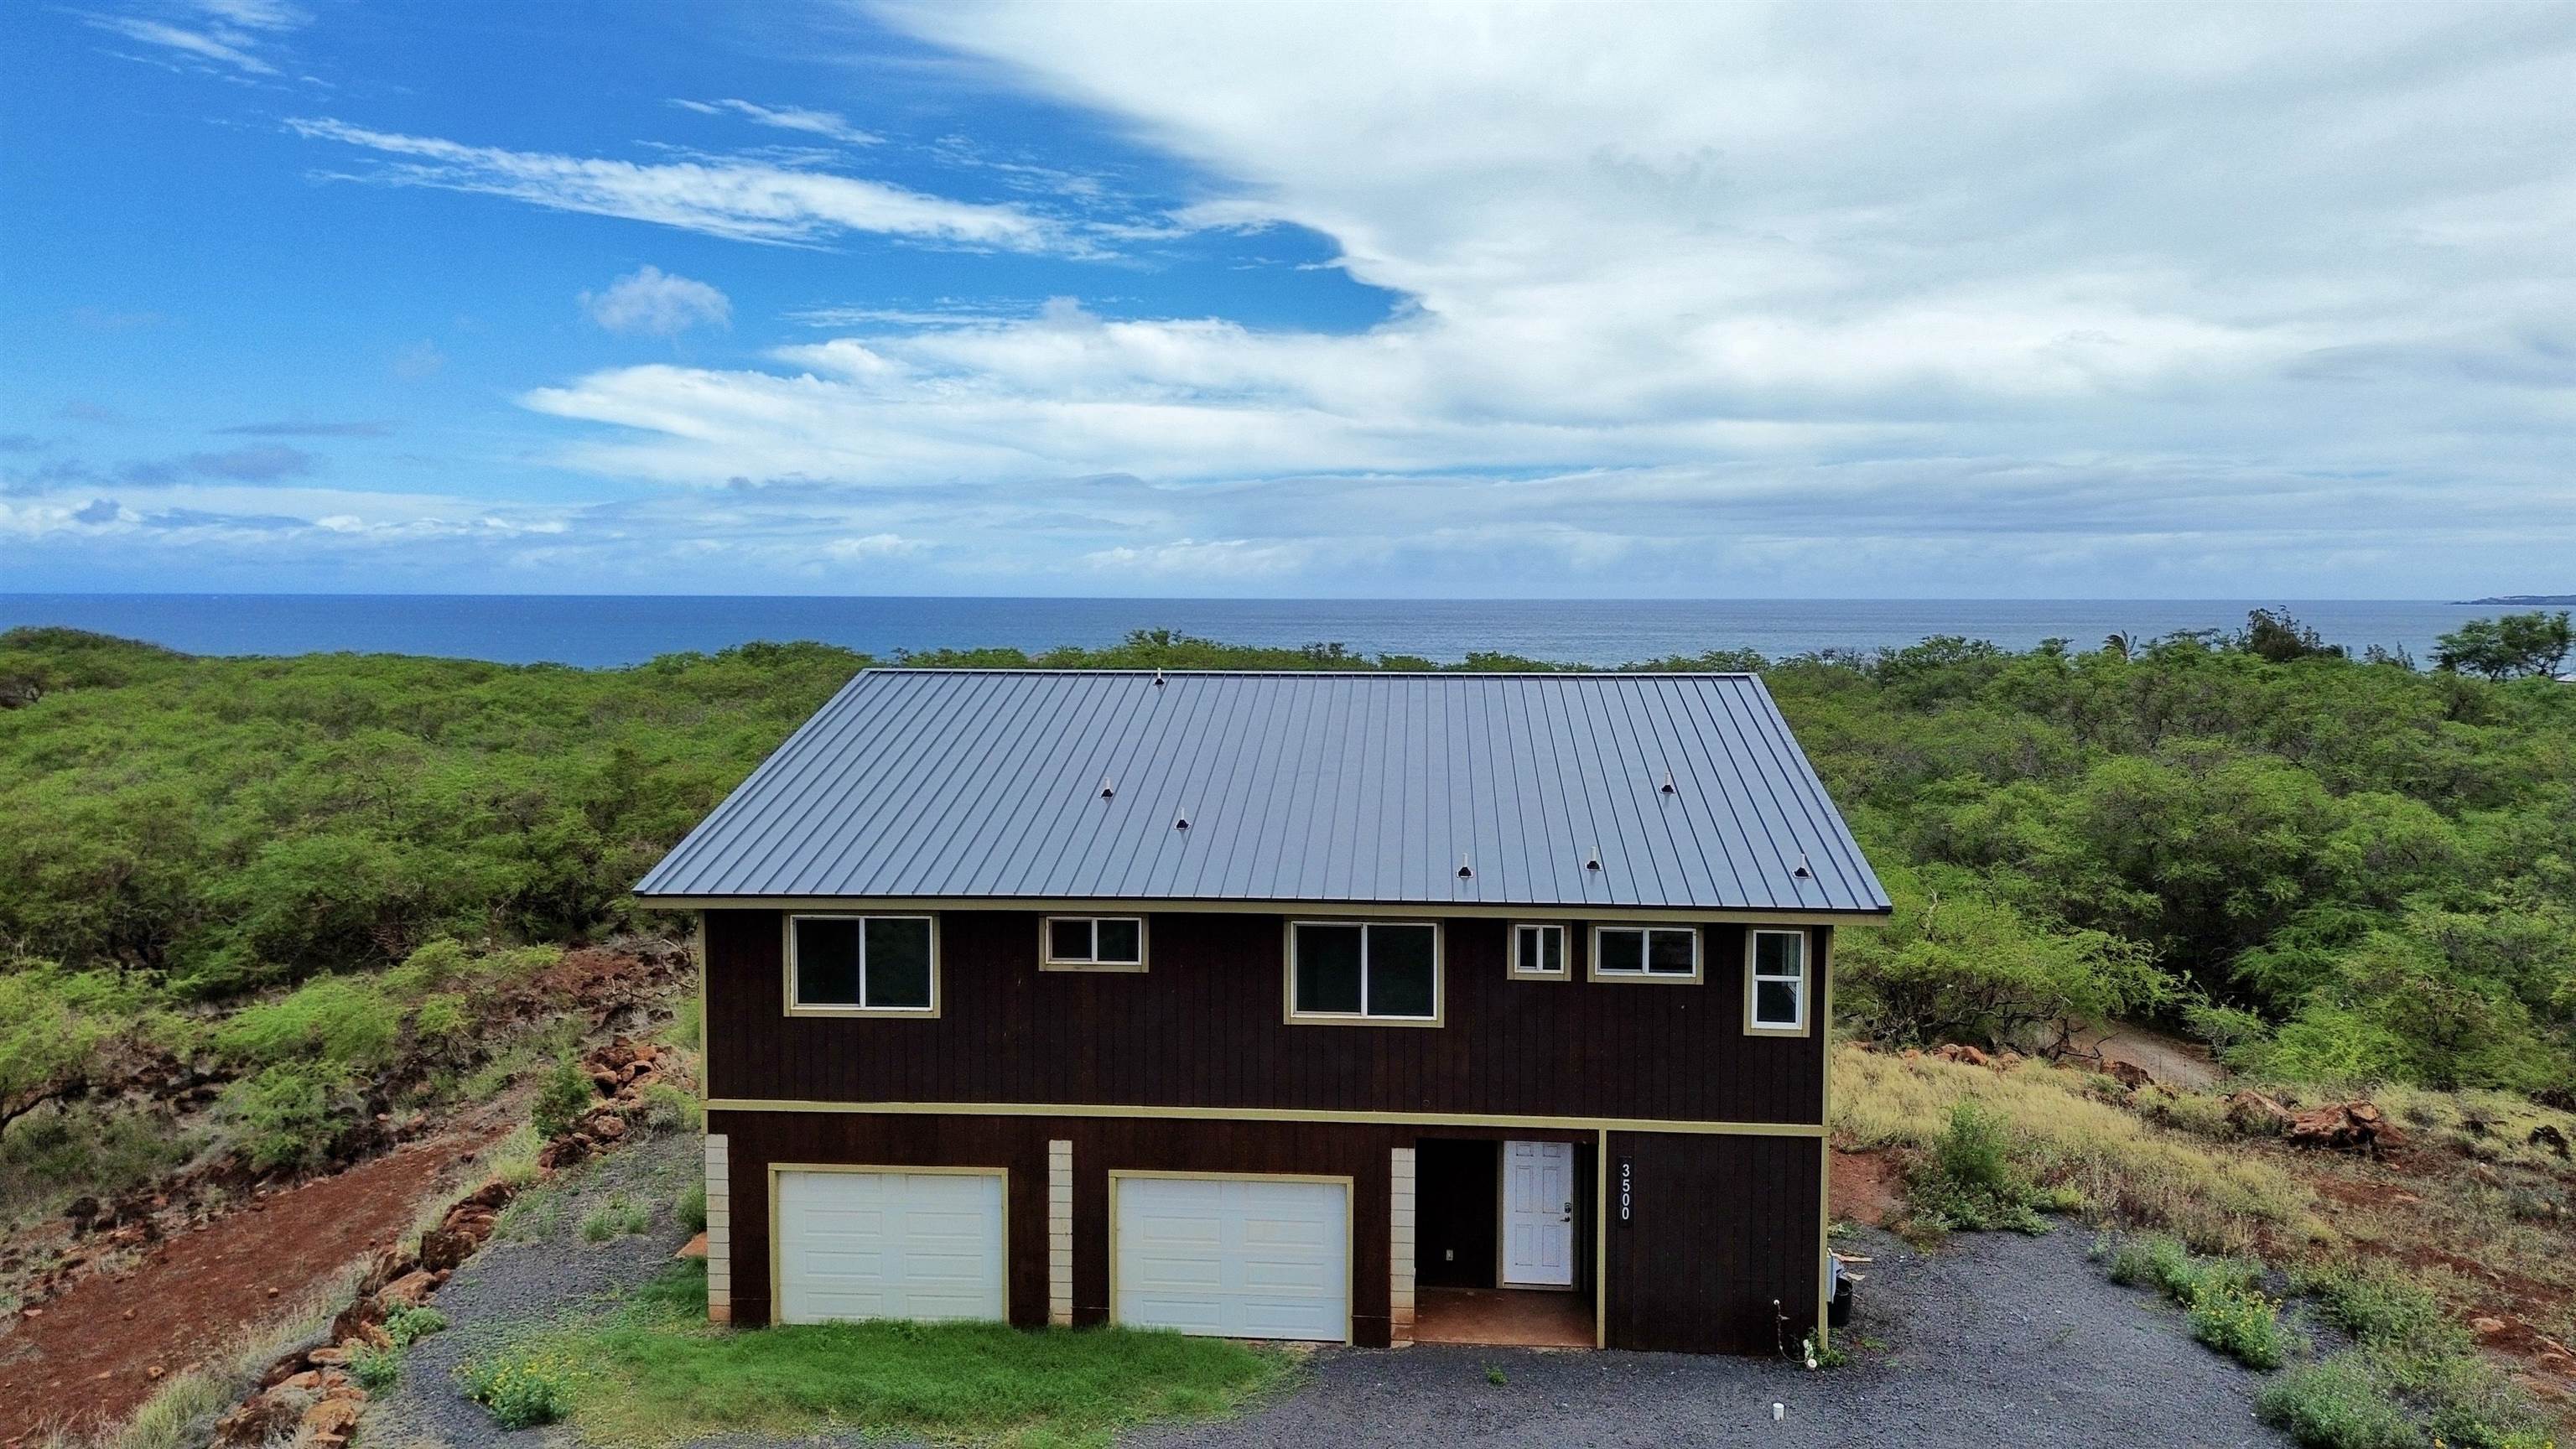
x=1300 y=787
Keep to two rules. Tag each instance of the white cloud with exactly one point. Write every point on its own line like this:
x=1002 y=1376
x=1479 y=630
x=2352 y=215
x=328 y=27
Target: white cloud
x=228 y=34
x=1879 y=295
x=656 y=303
x=744 y=200
x=831 y=125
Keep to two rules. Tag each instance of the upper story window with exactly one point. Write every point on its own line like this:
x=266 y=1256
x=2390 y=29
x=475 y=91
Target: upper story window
x=1645 y=953
x=1775 y=982
x=862 y=966
x=1364 y=971
x=1538 y=951
x=1093 y=943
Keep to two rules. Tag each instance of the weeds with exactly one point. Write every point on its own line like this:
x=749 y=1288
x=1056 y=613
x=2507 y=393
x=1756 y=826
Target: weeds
x=376 y=1369
x=520 y=1389
x=2227 y=1308
x=560 y=1102
x=620 y=1216
x=667 y=1107
x=2336 y=1404
x=2411 y=1359
x=411 y=1323
x=692 y=1207
x=1970 y=1180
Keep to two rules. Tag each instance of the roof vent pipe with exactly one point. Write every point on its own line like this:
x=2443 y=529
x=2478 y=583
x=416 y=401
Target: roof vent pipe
x=1158 y=679
x=1668 y=783
x=1592 y=861
x=1803 y=872
x=1465 y=871
x=1107 y=787
x=1181 y=823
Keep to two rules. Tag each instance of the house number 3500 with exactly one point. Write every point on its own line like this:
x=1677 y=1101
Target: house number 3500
x=1627 y=1188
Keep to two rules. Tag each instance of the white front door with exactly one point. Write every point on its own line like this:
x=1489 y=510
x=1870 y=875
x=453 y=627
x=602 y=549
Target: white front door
x=1538 y=1214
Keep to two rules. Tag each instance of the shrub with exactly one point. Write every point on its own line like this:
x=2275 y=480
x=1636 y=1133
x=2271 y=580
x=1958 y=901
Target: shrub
x=1970 y=1180
x=346 y=1022
x=2336 y=1404
x=667 y=1107
x=376 y=1369
x=522 y=1390
x=561 y=1101
x=692 y=1208
x=441 y=1020
x=514 y=1158
x=411 y=1323
x=287 y=1115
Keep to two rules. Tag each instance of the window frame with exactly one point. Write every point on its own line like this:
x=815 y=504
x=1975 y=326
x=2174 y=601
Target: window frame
x=787 y=961
x=1049 y=961
x=1592 y=970
x=1288 y=975
x=1564 y=952
x=1754 y=1025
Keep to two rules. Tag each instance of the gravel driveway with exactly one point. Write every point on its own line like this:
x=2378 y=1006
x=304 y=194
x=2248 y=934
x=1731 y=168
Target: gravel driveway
x=1995 y=1339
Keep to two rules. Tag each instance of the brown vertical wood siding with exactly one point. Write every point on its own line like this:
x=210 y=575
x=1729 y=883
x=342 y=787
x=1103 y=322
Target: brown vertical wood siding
x=1203 y=1028
x=1722 y=1226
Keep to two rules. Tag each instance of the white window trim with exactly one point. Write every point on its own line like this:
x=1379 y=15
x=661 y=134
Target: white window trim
x=1564 y=952
x=1753 y=1023
x=787 y=959
x=1699 y=955
x=1439 y=975
x=1048 y=961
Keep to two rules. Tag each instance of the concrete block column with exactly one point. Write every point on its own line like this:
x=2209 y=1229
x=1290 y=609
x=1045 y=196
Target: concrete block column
x=1400 y=1222
x=719 y=1230
x=1060 y=1231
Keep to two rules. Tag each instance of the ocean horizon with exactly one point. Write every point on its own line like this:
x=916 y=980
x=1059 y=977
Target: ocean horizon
x=593 y=630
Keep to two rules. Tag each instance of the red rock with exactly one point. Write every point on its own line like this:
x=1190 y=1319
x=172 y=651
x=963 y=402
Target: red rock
x=332 y=1418
x=608 y=1128
x=445 y=1248
x=2343 y=1127
x=329 y=1357
x=2257 y=1114
x=2486 y=1327
x=407 y=1291
x=2128 y=1074
x=256 y=1420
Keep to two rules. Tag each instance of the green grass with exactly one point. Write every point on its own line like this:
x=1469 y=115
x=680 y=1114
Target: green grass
x=620 y=1216
x=654 y=1372
x=2412 y=1362
x=2336 y=1404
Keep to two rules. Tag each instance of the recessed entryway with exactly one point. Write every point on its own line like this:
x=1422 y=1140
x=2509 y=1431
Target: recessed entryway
x=1503 y=1241
x=1507 y=1317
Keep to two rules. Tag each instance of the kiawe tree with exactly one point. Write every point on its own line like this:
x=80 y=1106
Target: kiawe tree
x=2511 y=647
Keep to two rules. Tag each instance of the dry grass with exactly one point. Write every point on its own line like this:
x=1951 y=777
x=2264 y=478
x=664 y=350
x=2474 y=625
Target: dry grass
x=2216 y=1198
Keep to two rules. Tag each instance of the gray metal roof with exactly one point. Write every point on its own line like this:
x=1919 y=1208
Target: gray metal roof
x=975 y=783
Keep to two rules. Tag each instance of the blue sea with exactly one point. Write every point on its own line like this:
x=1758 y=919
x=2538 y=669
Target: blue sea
x=616 y=630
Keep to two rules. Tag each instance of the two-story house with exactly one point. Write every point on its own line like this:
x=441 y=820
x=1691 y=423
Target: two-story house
x=1340 y=1007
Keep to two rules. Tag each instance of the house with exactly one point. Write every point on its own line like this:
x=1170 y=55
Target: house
x=1356 y=1008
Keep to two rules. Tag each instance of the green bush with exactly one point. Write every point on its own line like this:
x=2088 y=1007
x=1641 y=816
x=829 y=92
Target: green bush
x=2336 y=1404
x=376 y=1369
x=667 y=1108
x=288 y=1114
x=1970 y=1180
x=560 y=1102
x=345 y=1022
x=520 y=1389
x=620 y=1216
x=692 y=1207
x=411 y=1323
x=2227 y=1309
x=442 y=1020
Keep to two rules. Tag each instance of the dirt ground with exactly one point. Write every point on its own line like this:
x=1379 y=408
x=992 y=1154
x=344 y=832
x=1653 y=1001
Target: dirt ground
x=1866 y=1188
x=87 y=1356
x=2169 y=1059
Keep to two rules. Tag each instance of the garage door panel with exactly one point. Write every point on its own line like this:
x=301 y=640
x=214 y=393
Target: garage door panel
x=1234 y=1257
x=889 y=1245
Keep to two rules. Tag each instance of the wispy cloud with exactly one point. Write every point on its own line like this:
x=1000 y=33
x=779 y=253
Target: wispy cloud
x=744 y=200
x=831 y=125
x=651 y=302
x=225 y=34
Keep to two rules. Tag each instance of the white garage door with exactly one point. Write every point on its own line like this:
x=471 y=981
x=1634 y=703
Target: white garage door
x=889 y=1245
x=1234 y=1257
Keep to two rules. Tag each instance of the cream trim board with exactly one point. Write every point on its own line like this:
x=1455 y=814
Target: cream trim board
x=1699 y=954
x=1825 y=1149
x=1564 y=952
x=1350 y=1225
x=1804 y=1025
x=1601 y=1241
x=1046 y=945
x=777 y=1296
x=1113 y=906
x=787 y=966
x=1288 y=977
x=1265 y=1114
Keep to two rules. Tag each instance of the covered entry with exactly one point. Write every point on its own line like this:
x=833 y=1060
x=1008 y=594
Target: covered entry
x=1503 y=1241
x=1231 y=1257
x=877 y=1243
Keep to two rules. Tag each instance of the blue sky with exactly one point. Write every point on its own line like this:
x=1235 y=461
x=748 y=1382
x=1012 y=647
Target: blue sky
x=1276 y=300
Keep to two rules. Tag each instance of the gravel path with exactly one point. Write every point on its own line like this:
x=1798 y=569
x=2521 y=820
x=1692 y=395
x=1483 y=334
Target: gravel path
x=1995 y=1339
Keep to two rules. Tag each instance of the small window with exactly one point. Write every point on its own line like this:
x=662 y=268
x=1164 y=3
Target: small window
x=862 y=964
x=1538 y=952
x=1645 y=953
x=1093 y=943
x=1364 y=971
x=1775 y=988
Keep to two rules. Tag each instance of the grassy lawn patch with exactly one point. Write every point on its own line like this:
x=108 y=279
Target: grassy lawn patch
x=654 y=1372
x=2223 y=1296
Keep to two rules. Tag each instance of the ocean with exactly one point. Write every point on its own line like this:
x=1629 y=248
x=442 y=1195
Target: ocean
x=598 y=631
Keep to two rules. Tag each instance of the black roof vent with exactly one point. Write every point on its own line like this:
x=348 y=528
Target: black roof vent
x=1465 y=871
x=1668 y=783
x=1107 y=788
